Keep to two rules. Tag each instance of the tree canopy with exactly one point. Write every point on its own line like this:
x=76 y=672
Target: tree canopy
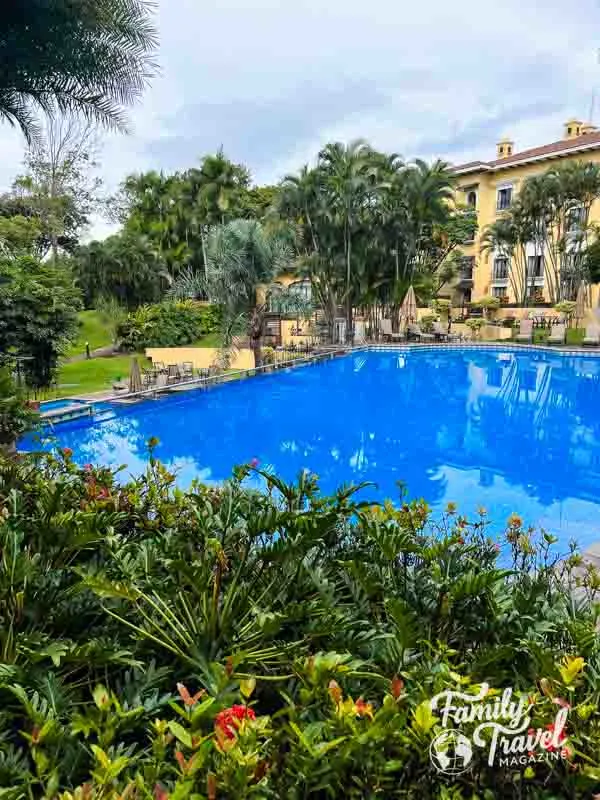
x=92 y=58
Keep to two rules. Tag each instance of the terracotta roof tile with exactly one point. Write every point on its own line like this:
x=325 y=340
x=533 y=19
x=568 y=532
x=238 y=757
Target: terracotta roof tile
x=536 y=152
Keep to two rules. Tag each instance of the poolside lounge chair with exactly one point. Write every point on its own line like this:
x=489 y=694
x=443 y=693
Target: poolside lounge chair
x=525 y=333
x=592 y=336
x=558 y=334
x=173 y=373
x=415 y=332
x=187 y=370
x=149 y=378
x=387 y=332
x=439 y=332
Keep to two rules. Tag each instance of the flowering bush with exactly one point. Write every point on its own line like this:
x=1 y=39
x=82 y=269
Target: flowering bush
x=221 y=643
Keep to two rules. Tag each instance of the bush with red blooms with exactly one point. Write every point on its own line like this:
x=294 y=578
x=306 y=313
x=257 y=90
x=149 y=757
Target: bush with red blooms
x=227 y=722
x=312 y=633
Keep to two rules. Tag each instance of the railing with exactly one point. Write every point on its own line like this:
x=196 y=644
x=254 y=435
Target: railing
x=297 y=359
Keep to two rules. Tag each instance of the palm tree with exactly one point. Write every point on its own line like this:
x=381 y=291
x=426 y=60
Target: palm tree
x=348 y=173
x=243 y=260
x=298 y=197
x=87 y=58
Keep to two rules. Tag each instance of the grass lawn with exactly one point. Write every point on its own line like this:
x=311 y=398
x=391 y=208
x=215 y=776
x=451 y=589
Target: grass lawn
x=91 y=329
x=210 y=340
x=93 y=375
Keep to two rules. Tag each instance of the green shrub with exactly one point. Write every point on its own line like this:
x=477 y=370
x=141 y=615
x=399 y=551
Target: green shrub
x=566 y=307
x=16 y=416
x=475 y=324
x=426 y=322
x=224 y=643
x=168 y=324
x=442 y=306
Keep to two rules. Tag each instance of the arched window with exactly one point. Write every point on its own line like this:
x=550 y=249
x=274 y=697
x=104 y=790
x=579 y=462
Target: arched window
x=472 y=199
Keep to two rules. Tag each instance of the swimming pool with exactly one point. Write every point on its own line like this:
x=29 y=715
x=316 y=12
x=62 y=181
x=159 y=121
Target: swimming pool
x=505 y=429
x=59 y=405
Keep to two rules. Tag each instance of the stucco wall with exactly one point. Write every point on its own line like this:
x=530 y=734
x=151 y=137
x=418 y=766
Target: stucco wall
x=200 y=357
x=486 y=185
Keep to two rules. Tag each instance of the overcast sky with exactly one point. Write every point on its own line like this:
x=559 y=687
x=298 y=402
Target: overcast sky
x=273 y=80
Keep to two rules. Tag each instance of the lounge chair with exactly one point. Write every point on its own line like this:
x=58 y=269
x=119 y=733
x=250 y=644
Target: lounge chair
x=188 y=369
x=439 y=332
x=173 y=373
x=415 y=332
x=149 y=378
x=388 y=334
x=525 y=333
x=592 y=336
x=558 y=334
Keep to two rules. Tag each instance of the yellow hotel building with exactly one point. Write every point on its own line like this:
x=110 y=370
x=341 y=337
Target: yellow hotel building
x=491 y=186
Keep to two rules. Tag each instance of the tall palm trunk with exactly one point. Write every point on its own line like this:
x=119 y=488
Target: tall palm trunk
x=255 y=334
x=349 y=329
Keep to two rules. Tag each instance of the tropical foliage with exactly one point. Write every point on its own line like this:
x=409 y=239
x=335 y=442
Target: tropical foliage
x=369 y=225
x=89 y=58
x=242 y=259
x=38 y=314
x=226 y=643
x=125 y=266
x=15 y=416
x=549 y=224
x=175 y=212
x=168 y=324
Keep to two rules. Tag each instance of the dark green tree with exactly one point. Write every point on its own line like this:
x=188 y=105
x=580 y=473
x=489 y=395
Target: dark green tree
x=125 y=266
x=38 y=314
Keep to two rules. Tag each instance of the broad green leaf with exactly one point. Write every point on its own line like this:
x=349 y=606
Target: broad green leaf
x=180 y=733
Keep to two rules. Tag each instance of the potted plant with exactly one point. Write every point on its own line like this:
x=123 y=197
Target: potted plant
x=426 y=322
x=489 y=305
x=475 y=324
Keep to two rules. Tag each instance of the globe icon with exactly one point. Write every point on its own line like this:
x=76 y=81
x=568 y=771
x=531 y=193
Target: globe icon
x=451 y=752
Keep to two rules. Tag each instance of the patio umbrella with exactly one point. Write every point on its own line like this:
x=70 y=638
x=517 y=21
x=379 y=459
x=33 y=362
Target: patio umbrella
x=135 y=377
x=580 y=302
x=408 y=310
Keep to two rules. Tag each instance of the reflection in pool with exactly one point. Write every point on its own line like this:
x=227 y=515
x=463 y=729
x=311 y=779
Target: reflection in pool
x=512 y=431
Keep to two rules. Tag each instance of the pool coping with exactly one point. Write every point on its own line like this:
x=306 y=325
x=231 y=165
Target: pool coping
x=335 y=351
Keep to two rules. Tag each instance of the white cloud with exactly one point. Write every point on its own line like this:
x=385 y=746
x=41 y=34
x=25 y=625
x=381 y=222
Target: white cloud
x=273 y=81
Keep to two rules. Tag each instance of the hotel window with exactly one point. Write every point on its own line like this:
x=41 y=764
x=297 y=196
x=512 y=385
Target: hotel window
x=535 y=267
x=504 y=198
x=500 y=271
x=467 y=265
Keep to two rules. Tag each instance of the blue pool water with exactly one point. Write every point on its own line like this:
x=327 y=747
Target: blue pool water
x=55 y=405
x=509 y=430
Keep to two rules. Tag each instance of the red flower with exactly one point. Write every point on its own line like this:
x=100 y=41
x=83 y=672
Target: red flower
x=67 y=452
x=254 y=463
x=228 y=721
x=87 y=467
x=397 y=686
x=460 y=540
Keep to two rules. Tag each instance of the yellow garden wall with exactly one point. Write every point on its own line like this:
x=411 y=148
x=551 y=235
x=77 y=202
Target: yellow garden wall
x=200 y=357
